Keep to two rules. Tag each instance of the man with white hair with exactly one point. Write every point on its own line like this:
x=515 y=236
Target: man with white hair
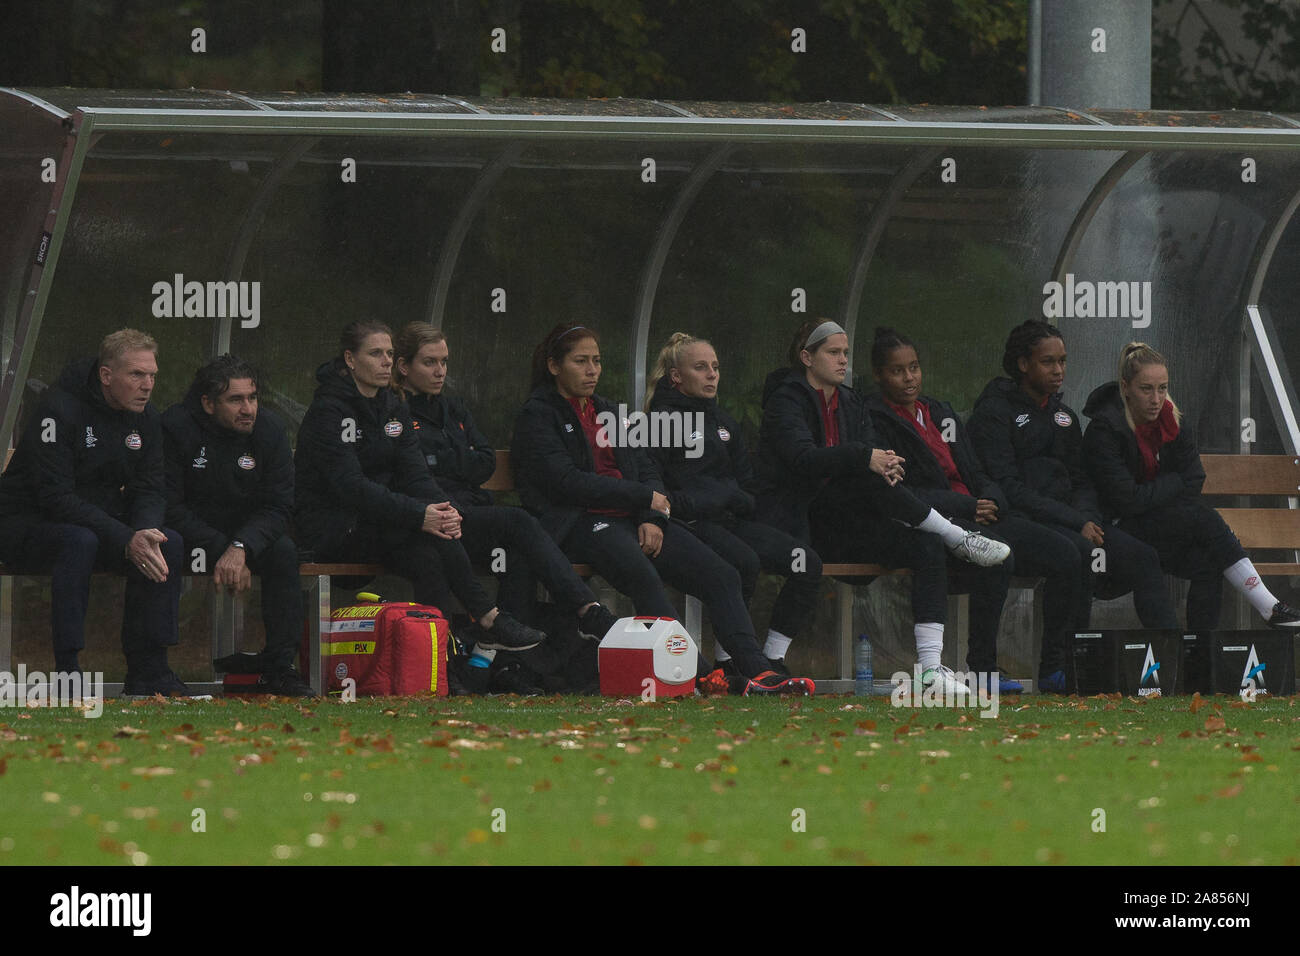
x=85 y=491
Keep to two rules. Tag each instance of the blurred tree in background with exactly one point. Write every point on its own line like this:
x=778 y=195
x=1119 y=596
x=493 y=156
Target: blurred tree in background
x=1226 y=54
x=1206 y=54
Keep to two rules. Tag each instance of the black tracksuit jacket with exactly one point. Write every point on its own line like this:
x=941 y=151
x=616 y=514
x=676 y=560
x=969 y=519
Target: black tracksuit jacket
x=1115 y=463
x=223 y=486
x=357 y=462
x=717 y=485
x=793 y=465
x=555 y=470
x=81 y=462
x=924 y=475
x=459 y=455
x=1034 y=454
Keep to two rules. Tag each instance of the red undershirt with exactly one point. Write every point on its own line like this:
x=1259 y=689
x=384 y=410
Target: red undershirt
x=602 y=453
x=934 y=441
x=830 y=424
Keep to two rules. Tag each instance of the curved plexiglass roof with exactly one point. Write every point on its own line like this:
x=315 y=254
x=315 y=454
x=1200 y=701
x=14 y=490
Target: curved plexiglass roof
x=497 y=218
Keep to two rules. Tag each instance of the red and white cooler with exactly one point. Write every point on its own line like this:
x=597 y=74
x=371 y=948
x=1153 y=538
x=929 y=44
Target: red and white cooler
x=641 y=648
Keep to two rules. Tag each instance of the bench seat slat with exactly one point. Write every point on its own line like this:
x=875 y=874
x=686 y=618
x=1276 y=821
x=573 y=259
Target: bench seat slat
x=1264 y=527
x=1251 y=475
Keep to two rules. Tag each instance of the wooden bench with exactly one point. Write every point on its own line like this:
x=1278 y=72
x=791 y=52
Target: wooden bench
x=1272 y=476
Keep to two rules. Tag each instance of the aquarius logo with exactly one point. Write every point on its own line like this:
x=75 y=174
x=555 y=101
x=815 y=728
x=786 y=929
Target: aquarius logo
x=1252 y=675
x=1151 y=672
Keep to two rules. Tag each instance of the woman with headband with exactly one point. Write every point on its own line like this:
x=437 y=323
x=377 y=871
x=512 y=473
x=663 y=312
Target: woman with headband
x=1149 y=476
x=831 y=482
x=460 y=458
x=604 y=503
x=712 y=485
x=364 y=493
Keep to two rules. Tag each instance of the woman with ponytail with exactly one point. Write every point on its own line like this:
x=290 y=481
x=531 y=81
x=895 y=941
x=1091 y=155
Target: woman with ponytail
x=712 y=484
x=364 y=493
x=1031 y=444
x=605 y=504
x=1149 y=475
x=830 y=481
x=460 y=458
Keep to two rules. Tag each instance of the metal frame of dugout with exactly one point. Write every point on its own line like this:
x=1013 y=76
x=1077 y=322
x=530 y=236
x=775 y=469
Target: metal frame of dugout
x=83 y=116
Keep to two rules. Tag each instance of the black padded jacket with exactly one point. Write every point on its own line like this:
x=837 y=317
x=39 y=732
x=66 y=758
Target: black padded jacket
x=81 y=462
x=555 y=471
x=357 y=460
x=1115 y=463
x=924 y=475
x=717 y=483
x=793 y=462
x=1035 y=454
x=458 y=455
x=225 y=486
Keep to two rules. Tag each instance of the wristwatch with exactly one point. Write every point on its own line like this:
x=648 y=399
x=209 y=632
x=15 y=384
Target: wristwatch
x=237 y=544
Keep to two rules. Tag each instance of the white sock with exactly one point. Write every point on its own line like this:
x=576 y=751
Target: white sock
x=936 y=523
x=720 y=653
x=776 y=646
x=1246 y=579
x=929 y=644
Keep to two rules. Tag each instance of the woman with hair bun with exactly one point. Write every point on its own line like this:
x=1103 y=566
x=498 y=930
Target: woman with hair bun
x=1031 y=445
x=712 y=485
x=604 y=503
x=365 y=494
x=1148 y=472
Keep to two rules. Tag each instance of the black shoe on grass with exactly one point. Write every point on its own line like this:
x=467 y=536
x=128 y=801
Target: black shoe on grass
x=288 y=683
x=165 y=683
x=511 y=678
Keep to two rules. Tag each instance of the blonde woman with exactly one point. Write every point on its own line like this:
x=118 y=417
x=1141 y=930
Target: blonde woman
x=712 y=489
x=1148 y=475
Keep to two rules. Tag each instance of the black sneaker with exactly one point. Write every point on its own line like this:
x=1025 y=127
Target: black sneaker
x=288 y=683
x=511 y=678
x=1284 y=616
x=596 y=623
x=507 y=634
x=167 y=684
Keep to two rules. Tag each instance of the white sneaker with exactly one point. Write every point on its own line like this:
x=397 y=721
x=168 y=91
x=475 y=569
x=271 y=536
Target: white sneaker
x=942 y=680
x=980 y=550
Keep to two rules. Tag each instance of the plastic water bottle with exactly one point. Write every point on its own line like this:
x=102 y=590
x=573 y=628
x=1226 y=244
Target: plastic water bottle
x=480 y=665
x=863 y=678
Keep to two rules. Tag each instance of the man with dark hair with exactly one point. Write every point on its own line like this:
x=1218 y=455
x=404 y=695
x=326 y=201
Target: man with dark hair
x=230 y=495
x=85 y=490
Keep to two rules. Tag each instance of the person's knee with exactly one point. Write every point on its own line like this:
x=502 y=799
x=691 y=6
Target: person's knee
x=805 y=562
x=173 y=549
x=280 y=557
x=75 y=541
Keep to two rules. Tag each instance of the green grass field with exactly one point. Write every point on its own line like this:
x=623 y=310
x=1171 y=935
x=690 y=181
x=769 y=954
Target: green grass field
x=587 y=780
